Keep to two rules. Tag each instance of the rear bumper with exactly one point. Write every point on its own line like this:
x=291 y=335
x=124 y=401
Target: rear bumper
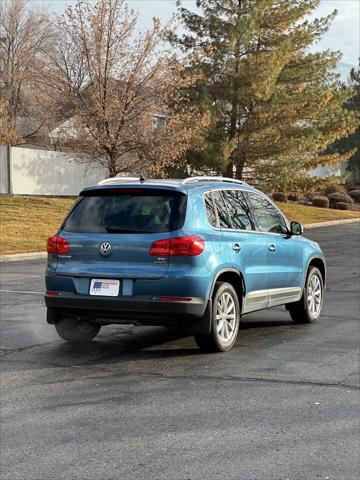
x=146 y=309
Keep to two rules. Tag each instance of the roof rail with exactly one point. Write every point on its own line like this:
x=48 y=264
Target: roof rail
x=119 y=180
x=211 y=179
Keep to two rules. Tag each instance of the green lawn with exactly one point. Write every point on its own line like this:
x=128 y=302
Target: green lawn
x=26 y=222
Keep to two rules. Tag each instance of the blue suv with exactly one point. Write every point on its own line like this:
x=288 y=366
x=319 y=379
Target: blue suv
x=193 y=254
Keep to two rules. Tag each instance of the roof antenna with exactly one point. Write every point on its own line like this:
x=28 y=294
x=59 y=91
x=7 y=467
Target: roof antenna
x=142 y=179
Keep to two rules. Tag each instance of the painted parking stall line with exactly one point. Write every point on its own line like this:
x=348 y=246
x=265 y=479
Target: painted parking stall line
x=26 y=292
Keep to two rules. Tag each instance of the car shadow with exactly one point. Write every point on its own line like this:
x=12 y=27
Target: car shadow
x=135 y=339
x=138 y=343
x=245 y=325
x=122 y=344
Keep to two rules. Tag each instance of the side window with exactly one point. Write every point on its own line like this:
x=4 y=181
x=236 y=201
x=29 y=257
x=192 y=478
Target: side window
x=210 y=210
x=223 y=213
x=268 y=217
x=238 y=209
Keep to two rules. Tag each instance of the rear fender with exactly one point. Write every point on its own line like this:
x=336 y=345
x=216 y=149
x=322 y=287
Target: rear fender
x=241 y=293
x=203 y=326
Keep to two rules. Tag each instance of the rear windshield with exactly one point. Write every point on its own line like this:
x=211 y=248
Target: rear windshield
x=127 y=211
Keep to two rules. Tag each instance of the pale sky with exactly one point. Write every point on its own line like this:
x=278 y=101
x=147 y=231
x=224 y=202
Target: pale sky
x=344 y=34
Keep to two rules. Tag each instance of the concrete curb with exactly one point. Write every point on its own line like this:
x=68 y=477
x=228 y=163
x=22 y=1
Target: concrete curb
x=331 y=222
x=17 y=257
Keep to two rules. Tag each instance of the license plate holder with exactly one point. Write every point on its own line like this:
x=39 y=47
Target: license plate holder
x=104 y=287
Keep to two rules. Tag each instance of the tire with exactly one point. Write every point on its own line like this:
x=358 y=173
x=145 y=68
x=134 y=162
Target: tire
x=76 y=331
x=308 y=309
x=224 y=298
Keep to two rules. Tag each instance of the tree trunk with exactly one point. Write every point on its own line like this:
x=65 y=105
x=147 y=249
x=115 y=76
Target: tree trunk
x=238 y=158
x=112 y=166
x=240 y=165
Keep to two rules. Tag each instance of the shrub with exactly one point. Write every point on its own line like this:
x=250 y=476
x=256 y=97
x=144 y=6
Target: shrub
x=293 y=197
x=343 y=206
x=332 y=184
x=355 y=195
x=339 y=197
x=315 y=194
x=280 y=197
x=320 y=201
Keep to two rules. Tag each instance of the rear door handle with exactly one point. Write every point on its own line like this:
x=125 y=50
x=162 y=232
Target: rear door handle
x=272 y=248
x=236 y=247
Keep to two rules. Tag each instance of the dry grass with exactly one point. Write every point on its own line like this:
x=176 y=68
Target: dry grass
x=26 y=222
x=305 y=214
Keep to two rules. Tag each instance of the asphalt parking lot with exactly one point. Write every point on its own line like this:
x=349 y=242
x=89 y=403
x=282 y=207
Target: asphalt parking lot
x=140 y=403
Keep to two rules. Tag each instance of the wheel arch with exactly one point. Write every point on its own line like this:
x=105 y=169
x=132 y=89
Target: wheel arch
x=319 y=263
x=232 y=276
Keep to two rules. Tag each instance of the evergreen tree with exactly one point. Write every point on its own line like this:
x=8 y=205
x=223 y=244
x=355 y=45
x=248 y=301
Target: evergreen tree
x=351 y=142
x=274 y=105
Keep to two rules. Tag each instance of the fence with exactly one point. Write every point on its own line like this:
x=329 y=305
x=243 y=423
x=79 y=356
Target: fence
x=4 y=169
x=30 y=171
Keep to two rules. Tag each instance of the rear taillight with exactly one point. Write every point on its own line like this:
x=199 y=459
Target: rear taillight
x=58 y=245
x=178 y=247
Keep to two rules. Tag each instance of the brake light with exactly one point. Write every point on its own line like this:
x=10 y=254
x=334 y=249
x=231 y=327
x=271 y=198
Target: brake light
x=125 y=191
x=178 y=247
x=58 y=245
x=160 y=248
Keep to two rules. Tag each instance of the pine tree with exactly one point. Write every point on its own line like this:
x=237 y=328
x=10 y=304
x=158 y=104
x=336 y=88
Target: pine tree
x=275 y=105
x=352 y=142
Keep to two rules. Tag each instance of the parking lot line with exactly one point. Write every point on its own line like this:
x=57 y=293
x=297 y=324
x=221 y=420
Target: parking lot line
x=21 y=291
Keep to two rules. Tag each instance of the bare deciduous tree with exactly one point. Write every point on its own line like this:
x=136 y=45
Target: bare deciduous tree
x=25 y=36
x=123 y=97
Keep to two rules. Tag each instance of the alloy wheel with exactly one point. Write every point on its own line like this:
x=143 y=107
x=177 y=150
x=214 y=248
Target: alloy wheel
x=226 y=317
x=314 y=296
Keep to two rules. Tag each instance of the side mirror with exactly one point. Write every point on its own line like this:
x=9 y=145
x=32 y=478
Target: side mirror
x=296 y=228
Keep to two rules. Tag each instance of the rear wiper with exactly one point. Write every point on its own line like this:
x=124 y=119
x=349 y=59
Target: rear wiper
x=122 y=230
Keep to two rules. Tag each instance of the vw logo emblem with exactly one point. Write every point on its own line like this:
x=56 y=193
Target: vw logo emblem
x=105 y=249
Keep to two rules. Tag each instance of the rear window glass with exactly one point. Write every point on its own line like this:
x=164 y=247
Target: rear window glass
x=127 y=212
